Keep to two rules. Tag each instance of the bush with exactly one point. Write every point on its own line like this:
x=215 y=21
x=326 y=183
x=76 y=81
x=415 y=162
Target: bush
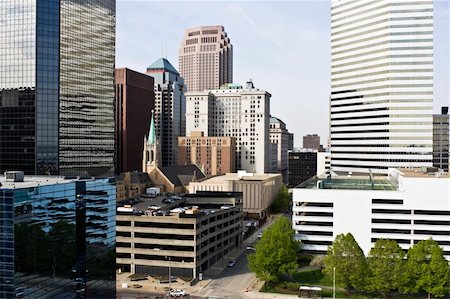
x=318 y=261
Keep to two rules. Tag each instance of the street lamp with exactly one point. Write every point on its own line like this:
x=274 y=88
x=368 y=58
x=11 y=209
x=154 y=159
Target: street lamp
x=334 y=282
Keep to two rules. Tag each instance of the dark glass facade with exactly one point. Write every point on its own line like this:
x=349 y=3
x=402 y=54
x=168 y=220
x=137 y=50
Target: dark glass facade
x=57 y=86
x=302 y=166
x=57 y=238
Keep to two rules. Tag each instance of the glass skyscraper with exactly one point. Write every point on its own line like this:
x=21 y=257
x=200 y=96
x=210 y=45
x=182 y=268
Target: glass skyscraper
x=57 y=86
x=381 y=85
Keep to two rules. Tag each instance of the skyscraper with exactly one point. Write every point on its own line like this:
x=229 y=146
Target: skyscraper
x=381 y=84
x=57 y=86
x=206 y=58
x=135 y=100
x=234 y=111
x=170 y=109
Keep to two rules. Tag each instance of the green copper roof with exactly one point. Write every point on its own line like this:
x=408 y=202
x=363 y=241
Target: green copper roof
x=162 y=64
x=151 y=132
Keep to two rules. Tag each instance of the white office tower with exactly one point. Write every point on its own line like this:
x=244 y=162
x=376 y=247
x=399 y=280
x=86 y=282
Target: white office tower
x=381 y=85
x=234 y=111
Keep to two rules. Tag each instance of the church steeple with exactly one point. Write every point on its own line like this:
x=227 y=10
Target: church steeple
x=151 y=150
x=151 y=133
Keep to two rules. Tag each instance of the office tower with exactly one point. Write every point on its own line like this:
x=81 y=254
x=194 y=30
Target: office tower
x=170 y=108
x=280 y=136
x=291 y=142
x=206 y=58
x=311 y=141
x=381 y=85
x=135 y=100
x=214 y=155
x=234 y=111
x=306 y=163
x=58 y=237
x=440 y=139
x=57 y=86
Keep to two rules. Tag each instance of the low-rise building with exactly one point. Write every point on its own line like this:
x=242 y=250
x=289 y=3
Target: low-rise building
x=52 y=228
x=214 y=155
x=131 y=184
x=408 y=205
x=259 y=190
x=187 y=234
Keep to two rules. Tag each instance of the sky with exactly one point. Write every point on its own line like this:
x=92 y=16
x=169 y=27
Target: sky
x=283 y=46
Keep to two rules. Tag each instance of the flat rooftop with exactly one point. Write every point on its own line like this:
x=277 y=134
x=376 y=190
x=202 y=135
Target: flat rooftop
x=245 y=177
x=204 y=203
x=420 y=173
x=33 y=181
x=349 y=183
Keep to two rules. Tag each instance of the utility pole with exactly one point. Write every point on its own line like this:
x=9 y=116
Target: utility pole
x=334 y=282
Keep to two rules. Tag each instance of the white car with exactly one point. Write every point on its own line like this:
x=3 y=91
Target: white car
x=250 y=248
x=154 y=207
x=177 y=293
x=231 y=263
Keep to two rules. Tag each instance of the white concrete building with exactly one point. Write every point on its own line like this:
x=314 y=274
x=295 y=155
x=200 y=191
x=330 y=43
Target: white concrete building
x=381 y=85
x=323 y=162
x=408 y=206
x=234 y=111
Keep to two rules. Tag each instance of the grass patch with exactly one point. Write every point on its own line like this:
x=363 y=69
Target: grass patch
x=313 y=277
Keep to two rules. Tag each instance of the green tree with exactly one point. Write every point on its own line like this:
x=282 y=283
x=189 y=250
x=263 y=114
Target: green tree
x=385 y=263
x=426 y=269
x=347 y=260
x=276 y=252
x=282 y=201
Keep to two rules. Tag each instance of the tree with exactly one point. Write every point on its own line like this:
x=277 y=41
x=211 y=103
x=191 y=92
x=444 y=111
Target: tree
x=426 y=269
x=62 y=247
x=348 y=260
x=385 y=263
x=276 y=252
x=282 y=201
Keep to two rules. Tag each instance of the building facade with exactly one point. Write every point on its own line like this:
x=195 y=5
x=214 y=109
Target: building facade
x=215 y=155
x=53 y=231
x=135 y=99
x=280 y=136
x=56 y=118
x=234 y=111
x=440 y=139
x=206 y=58
x=189 y=240
x=259 y=190
x=397 y=207
x=170 y=109
x=307 y=163
x=312 y=141
x=381 y=85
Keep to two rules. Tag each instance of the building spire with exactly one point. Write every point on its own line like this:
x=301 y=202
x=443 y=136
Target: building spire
x=151 y=134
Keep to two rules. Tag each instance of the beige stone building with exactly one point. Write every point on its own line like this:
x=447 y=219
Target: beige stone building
x=206 y=58
x=259 y=190
x=214 y=155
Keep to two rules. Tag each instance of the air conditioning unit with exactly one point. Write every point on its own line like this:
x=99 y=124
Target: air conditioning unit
x=14 y=176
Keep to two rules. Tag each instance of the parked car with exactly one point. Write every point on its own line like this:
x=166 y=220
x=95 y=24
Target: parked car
x=231 y=263
x=250 y=248
x=177 y=293
x=19 y=292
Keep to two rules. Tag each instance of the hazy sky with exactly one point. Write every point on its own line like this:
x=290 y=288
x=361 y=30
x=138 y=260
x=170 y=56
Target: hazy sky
x=283 y=46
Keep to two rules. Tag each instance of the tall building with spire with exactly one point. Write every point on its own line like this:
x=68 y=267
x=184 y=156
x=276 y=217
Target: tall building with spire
x=381 y=85
x=206 y=58
x=170 y=109
x=151 y=153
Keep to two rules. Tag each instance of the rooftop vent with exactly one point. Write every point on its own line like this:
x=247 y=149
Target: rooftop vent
x=14 y=176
